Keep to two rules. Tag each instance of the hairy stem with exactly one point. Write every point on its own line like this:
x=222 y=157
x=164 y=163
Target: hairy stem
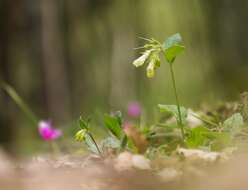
x=179 y=122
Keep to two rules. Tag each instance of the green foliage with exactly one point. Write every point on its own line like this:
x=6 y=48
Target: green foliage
x=91 y=143
x=171 y=41
x=84 y=135
x=171 y=53
x=233 y=124
x=203 y=137
x=84 y=124
x=113 y=124
x=197 y=137
x=173 y=110
x=111 y=142
x=172 y=47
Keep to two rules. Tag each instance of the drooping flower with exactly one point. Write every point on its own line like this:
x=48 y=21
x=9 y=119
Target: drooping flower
x=80 y=135
x=141 y=60
x=152 y=65
x=134 y=109
x=150 y=70
x=47 y=132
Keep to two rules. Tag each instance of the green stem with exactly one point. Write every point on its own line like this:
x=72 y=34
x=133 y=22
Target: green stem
x=180 y=122
x=93 y=140
x=17 y=99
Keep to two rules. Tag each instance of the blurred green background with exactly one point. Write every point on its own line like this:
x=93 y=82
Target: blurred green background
x=67 y=58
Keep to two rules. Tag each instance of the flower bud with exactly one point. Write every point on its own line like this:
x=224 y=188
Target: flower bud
x=80 y=135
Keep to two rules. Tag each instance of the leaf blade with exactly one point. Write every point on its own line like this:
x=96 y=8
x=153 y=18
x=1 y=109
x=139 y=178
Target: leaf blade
x=173 y=110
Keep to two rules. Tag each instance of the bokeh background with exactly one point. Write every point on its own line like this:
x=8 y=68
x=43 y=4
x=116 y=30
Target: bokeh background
x=67 y=58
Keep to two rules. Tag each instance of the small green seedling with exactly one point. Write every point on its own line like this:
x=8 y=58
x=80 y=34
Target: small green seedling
x=169 y=49
x=84 y=135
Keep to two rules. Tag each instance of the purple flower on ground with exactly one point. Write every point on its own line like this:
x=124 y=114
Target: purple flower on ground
x=47 y=132
x=134 y=109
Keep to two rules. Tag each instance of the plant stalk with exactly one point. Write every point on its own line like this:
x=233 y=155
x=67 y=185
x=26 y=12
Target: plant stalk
x=18 y=100
x=179 y=122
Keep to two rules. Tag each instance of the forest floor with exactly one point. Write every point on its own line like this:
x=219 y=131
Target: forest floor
x=196 y=171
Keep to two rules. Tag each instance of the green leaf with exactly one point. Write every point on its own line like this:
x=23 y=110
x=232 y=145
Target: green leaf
x=84 y=124
x=124 y=142
x=172 y=47
x=219 y=140
x=197 y=137
x=118 y=116
x=113 y=125
x=172 y=52
x=173 y=110
x=111 y=142
x=203 y=137
x=90 y=144
x=234 y=123
x=173 y=40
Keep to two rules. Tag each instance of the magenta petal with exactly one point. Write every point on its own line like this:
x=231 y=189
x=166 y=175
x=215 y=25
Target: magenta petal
x=134 y=109
x=47 y=132
x=56 y=134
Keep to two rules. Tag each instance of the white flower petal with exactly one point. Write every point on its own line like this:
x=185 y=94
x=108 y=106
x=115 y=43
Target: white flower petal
x=141 y=60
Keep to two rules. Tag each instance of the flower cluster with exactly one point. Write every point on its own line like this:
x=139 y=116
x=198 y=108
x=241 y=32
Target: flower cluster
x=153 y=48
x=150 y=55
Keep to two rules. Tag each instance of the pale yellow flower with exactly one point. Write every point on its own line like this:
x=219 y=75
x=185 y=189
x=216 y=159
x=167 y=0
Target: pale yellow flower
x=141 y=60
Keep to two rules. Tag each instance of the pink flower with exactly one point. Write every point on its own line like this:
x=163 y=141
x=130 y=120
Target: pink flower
x=47 y=132
x=134 y=109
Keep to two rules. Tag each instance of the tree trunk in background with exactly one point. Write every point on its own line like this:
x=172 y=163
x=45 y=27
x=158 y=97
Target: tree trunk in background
x=56 y=88
x=8 y=28
x=122 y=77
